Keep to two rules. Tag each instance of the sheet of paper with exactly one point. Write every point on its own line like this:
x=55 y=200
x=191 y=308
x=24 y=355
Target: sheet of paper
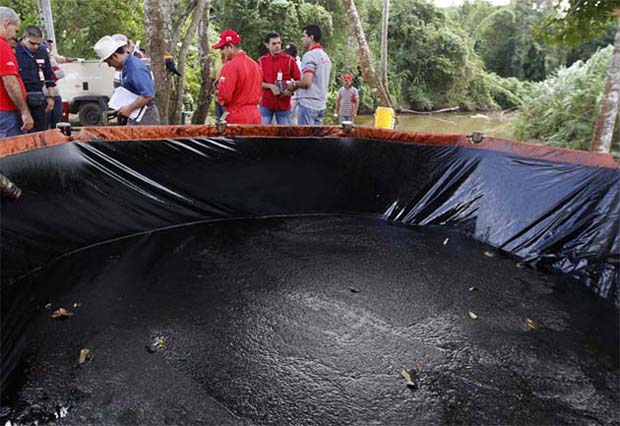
x=122 y=97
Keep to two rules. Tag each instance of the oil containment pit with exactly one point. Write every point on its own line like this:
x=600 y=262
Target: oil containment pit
x=307 y=276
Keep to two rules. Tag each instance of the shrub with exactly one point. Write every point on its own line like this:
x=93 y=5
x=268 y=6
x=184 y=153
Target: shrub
x=562 y=109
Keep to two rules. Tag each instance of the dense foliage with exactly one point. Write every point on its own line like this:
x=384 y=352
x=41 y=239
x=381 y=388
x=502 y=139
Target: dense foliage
x=478 y=56
x=255 y=18
x=432 y=61
x=80 y=23
x=562 y=108
x=573 y=21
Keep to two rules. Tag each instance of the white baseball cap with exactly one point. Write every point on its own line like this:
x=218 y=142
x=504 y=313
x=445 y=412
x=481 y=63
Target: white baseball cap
x=106 y=46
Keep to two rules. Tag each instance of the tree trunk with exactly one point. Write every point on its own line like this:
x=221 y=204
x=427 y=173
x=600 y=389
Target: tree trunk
x=157 y=14
x=204 y=99
x=365 y=56
x=384 y=44
x=197 y=16
x=606 y=119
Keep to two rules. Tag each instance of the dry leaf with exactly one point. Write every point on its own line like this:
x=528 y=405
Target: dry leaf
x=472 y=315
x=85 y=355
x=354 y=290
x=445 y=241
x=157 y=344
x=61 y=313
x=532 y=324
x=61 y=412
x=407 y=377
x=488 y=253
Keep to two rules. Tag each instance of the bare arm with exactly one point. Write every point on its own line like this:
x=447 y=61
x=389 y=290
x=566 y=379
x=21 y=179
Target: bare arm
x=50 y=100
x=14 y=90
x=274 y=89
x=138 y=103
x=304 y=83
x=65 y=60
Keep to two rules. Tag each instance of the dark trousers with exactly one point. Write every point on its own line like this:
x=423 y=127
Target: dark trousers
x=40 y=117
x=219 y=110
x=55 y=116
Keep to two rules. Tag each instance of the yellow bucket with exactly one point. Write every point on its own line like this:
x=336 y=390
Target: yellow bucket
x=384 y=118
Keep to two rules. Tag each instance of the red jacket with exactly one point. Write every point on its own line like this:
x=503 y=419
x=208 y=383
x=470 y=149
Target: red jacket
x=239 y=89
x=271 y=65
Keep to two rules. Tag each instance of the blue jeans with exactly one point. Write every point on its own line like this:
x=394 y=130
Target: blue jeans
x=10 y=124
x=282 y=117
x=309 y=116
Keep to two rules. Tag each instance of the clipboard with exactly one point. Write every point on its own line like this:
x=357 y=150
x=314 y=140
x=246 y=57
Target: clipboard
x=122 y=97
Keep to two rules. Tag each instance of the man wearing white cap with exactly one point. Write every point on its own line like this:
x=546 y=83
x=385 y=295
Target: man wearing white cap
x=135 y=77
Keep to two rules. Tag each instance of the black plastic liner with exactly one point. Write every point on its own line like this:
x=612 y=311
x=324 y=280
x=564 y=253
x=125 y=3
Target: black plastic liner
x=560 y=216
x=563 y=216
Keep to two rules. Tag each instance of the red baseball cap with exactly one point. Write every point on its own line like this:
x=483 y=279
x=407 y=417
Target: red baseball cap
x=227 y=37
x=347 y=77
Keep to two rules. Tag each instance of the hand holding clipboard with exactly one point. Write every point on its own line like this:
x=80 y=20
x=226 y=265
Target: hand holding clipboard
x=123 y=97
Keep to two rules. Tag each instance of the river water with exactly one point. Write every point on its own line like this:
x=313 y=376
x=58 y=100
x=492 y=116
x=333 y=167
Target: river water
x=495 y=124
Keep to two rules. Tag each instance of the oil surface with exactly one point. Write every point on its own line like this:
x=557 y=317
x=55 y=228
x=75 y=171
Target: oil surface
x=309 y=321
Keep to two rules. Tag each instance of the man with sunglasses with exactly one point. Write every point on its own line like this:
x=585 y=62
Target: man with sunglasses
x=35 y=70
x=135 y=77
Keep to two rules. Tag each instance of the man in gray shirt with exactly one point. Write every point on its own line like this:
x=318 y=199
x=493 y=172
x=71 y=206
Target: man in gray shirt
x=313 y=86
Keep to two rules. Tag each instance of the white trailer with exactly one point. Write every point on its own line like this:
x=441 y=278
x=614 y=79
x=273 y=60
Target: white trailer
x=86 y=89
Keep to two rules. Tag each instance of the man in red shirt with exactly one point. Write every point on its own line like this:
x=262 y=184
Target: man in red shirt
x=278 y=68
x=239 y=87
x=15 y=116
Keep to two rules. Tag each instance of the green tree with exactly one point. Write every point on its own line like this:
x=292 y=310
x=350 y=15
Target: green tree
x=434 y=61
x=505 y=39
x=579 y=20
x=252 y=19
x=585 y=49
x=562 y=108
x=574 y=21
x=80 y=23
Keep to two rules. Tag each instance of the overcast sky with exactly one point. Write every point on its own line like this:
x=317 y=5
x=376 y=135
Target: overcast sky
x=445 y=3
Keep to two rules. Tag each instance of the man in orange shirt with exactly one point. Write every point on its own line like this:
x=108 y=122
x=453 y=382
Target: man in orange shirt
x=15 y=117
x=240 y=84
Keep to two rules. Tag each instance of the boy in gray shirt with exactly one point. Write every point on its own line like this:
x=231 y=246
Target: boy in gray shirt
x=313 y=86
